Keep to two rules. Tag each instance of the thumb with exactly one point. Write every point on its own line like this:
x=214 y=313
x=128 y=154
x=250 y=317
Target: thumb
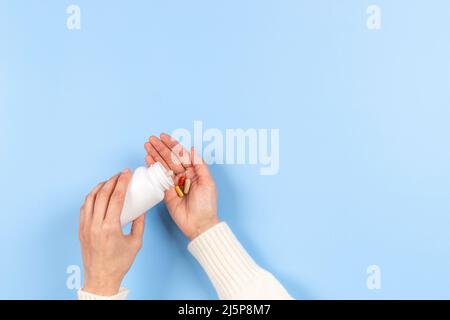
x=137 y=228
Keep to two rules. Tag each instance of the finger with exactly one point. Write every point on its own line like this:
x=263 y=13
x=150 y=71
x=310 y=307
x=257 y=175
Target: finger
x=117 y=199
x=166 y=153
x=147 y=146
x=102 y=200
x=149 y=160
x=177 y=148
x=200 y=167
x=183 y=155
x=156 y=156
x=88 y=206
x=82 y=220
x=137 y=228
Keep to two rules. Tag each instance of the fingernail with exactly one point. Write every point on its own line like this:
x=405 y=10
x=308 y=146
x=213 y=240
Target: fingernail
x=126 y=170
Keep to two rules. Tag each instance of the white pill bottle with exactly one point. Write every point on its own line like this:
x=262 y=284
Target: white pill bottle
x=145 y=190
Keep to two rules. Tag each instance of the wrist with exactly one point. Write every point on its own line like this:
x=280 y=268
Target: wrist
x=101 y=286
x=203 y=227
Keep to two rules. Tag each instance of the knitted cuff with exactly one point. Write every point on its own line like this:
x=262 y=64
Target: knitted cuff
x=227 y=263
x=121 y=295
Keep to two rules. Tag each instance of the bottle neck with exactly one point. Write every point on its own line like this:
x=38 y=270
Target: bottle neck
x=157 y=173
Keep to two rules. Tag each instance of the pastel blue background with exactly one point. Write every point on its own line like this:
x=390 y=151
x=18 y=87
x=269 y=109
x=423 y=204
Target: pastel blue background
x=364 y=135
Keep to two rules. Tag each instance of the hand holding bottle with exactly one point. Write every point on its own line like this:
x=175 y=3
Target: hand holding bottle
x=107 y=253
x=196 y=212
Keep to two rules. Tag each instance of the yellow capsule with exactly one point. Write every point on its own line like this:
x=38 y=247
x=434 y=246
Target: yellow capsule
x=179 y=192
x=187 y=186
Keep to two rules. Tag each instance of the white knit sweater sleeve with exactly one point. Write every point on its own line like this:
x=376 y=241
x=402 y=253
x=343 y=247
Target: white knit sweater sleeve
x=232 y=271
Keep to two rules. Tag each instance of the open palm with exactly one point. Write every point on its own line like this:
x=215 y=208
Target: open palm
x=197 y=211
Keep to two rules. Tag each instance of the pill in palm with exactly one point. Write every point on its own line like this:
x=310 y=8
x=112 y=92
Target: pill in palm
x=187 y=186
x=179 y=191
x=181 y=181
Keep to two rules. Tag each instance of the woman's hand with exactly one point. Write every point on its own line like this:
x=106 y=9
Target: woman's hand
x=196 y=212
x=107 y=253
